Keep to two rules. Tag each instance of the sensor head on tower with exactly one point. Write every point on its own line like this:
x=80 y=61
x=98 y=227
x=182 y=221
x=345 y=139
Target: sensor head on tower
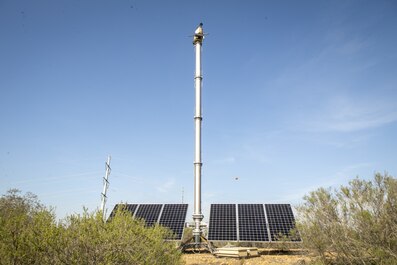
x=198 y=34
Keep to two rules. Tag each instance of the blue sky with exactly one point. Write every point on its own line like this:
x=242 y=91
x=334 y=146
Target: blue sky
x=296 y=95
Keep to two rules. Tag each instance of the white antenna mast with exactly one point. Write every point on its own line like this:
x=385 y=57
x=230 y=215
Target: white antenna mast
x=197 y=214
x=105 y=188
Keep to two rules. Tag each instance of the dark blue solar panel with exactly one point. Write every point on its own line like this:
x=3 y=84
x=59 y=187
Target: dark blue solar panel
x=256 y=223
x=223 y=224
x=173 y=216
x=281 y=221
x=252 y=223
x=128 y=207
x=148 y=212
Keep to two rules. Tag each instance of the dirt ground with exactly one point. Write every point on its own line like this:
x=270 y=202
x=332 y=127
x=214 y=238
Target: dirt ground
x=264 y=258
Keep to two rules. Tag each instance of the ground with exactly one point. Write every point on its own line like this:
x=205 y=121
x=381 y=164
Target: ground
x=265 y=258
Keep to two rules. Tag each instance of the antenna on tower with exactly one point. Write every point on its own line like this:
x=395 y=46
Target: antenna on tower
x=105 y=188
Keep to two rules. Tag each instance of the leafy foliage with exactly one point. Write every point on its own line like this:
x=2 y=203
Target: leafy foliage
x=24 y=225
x=29 y=234
x=356 y=224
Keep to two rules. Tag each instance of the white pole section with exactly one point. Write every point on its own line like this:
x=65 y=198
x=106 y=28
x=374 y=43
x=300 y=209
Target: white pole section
x=105 y=188
x=197 y=214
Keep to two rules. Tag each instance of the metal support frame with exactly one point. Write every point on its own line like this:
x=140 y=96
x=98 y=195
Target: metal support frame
x=161 y=212
x=267 y=223
x=237 y=224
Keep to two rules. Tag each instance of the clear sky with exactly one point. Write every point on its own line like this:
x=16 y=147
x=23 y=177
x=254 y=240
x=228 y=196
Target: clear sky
x=296 y=95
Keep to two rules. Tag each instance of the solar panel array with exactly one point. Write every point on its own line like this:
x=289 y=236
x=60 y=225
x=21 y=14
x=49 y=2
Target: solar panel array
x=251 y=222
x=171 y=216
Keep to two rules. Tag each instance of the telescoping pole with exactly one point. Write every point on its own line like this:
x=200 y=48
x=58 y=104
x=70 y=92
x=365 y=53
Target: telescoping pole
x=197 y=215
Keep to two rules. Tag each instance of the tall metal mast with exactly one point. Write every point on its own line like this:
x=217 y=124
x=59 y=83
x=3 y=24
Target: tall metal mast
x=105 y=188
x=197 y=214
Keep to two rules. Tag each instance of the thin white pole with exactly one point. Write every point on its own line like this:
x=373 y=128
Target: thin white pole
x=105 y=188
x=197 y=214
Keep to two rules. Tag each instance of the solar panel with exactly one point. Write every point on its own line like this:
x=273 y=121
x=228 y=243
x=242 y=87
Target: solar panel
x=149 y=212
x=114 y=211
x=252 y=223
x=281 y=220
x=173 y=216
x=223 y=224
x=129 y=207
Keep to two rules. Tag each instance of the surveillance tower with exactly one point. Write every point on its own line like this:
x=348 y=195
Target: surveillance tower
x=197 y=214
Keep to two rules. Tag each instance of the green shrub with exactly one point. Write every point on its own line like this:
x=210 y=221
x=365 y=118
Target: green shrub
x=123 y=240
x=356 y=224
x=26 y=228
x=29 y=234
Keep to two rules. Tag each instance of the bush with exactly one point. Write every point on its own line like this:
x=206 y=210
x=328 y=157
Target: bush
x=29 y=234
x=356 y=224
x=123 y=240
x=25 y=229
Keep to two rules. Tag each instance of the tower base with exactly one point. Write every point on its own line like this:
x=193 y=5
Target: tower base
x=192 y=246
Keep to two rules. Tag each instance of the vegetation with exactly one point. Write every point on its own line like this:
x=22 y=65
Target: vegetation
x=356 y=224
x=30 y=234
